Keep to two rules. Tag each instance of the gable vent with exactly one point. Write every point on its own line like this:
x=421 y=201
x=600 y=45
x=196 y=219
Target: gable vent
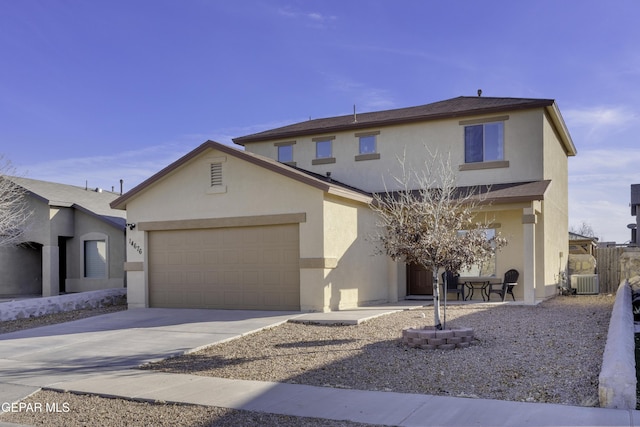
x=216 y=174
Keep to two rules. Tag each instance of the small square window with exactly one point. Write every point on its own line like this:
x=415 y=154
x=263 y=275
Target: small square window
x=285 y=153
x=323 y=149
x=367 y=144
x=484 y=142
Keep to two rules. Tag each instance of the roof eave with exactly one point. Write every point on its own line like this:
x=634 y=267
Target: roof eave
x=121 y=202
x=104 y=218
x=565 y=136
x=391 y=122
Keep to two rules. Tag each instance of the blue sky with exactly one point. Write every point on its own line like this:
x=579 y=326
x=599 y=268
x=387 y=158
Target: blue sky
x=102 y=90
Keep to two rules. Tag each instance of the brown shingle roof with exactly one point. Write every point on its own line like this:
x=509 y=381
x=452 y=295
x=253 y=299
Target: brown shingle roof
x=512 y=192
x=455 y=107
x=95 y=203
x=318 y=181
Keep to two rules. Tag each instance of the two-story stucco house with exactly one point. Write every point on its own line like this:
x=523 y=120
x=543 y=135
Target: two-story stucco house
x=285 y=224
x=74 y=242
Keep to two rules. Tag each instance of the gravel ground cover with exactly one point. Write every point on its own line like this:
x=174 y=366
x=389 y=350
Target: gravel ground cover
x=548 y=353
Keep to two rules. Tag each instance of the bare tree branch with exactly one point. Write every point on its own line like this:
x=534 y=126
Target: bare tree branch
x=14 y=209
x=432 y=223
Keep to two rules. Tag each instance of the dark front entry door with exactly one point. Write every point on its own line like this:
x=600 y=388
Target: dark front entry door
x=419 y=280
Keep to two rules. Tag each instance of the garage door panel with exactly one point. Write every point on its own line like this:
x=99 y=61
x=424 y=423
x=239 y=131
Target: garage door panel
x=233 y=299
x=194 y=258
x=251 y=279
x=212 y=277
x=240 y=268
x=211 y=257
x=175 y=258
x=231 y=256
x=251 y=257
x=194 y=278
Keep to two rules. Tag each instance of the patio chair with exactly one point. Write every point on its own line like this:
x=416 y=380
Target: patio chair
x=506 y=287
x=453 y=285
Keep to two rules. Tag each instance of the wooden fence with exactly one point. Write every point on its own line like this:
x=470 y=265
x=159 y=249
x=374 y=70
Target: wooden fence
x=609 y=267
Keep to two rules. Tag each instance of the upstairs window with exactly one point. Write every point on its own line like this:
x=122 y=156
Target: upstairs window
x=484 y=142
x=367 y=144
x=323 y=149
x=285 y=153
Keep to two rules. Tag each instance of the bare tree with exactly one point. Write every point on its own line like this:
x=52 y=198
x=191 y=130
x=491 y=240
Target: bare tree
x=433 y=223
x=14 y=210
x=584 y=229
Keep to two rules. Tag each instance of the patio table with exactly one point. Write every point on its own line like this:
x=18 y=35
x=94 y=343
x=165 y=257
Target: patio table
x=476 y=284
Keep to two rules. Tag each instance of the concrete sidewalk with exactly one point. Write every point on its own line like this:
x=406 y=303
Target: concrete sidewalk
x=34 y=358
x=374 y=407
x=95 y=355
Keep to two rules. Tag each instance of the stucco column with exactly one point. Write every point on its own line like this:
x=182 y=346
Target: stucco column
x=315 y=288
x=393 y=279
x=528 y=278
x=50 y=271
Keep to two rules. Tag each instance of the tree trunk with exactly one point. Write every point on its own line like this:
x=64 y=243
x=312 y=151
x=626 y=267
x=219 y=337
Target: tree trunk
x=445 y=289
x=436 y=300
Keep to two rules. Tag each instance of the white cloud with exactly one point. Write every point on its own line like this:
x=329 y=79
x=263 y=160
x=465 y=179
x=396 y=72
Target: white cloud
x=597 y=123
x=312 y=19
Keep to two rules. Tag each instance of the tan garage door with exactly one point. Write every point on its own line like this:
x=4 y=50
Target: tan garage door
x=252 y=268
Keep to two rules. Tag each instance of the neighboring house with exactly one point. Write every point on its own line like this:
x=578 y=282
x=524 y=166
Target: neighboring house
x=581 y=245
x=285 y=224
x=74 y=242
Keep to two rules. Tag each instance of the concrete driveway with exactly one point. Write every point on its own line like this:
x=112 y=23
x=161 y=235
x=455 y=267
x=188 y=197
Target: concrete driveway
x=43 y=356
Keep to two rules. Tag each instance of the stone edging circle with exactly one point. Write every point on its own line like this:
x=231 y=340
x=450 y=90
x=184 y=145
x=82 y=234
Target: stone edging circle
x=430 y=338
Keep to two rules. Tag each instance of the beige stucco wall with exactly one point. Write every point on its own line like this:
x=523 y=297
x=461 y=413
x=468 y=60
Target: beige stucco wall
x=554 y=222
x=250 y=190
x=532 y=149
x=522 y=149
x=361 y=275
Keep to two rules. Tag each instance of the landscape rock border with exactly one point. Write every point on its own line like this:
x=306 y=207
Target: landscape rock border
x=35 y=307
x=430 y=338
